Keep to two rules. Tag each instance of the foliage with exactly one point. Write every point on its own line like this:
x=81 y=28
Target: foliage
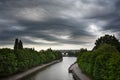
x=24 y=59
x=107 y=39
x=102 y=64
x=8 y=62
x=75 y=54
x=71 y=54
x=18 y=44
x=81 y=51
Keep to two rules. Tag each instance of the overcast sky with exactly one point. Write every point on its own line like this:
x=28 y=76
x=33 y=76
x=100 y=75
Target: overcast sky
x=59 y=24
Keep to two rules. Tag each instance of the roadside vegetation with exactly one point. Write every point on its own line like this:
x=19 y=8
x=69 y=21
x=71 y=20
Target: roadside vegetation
x=21 y=59
x=103 y=62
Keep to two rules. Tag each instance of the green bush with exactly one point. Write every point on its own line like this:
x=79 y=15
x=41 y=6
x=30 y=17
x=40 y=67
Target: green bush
x=102 y=64
x=8 y=62
x=23 y=59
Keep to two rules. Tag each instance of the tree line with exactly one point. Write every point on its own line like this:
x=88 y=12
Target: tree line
x=21 y=59
x=102 y=63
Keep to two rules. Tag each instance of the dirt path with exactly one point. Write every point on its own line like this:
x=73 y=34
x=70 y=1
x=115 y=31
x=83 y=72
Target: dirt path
x=77 y=73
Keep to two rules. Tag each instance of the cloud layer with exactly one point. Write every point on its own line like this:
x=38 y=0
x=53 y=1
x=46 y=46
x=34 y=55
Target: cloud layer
x=68 y=24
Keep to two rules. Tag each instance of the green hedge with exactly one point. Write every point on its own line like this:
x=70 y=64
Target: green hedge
x=102 y=64
x=21 y=60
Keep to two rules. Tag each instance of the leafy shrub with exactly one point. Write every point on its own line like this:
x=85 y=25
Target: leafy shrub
x=8 y=62
x=102 y=64
x=24 y=59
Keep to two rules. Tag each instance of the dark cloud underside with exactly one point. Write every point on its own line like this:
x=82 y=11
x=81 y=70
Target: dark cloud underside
x=58 y=23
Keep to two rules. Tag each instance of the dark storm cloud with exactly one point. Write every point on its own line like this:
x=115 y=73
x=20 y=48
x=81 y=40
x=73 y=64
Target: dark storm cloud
x=61 y=22
x=112 y=16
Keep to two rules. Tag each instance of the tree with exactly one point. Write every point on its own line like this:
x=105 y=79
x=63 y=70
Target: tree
x=83 y=50
x=16 y=44
x=20 y=45
x=107 y=39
